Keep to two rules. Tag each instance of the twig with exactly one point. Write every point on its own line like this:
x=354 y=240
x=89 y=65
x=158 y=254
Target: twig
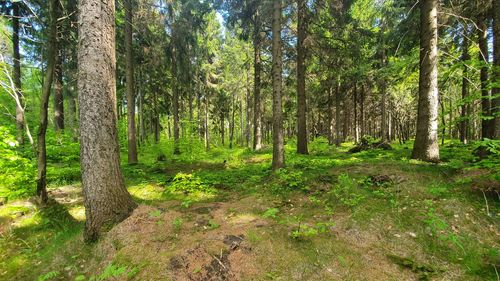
x=487 y=207
x=220 y=262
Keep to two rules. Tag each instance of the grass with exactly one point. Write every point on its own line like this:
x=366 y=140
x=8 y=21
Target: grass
x=322 y=217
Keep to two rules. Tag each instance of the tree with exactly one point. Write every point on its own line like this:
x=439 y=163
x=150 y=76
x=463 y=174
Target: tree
x=301 y=78
x=482 y=35
x=41 y=187
x=106 y=199
x=495 y=77
x=426 y=145
x=129 y=61
x=278 y=143
x=17 y=72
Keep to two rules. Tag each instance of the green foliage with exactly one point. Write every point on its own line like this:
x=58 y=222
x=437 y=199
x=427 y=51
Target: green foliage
x=111 y=271
x=286 y=181
x=48 y=276
x=17 y=170
x=177 y=223
x=346 y=191
x=271 y=213
x=188 y=183
x=306 y=231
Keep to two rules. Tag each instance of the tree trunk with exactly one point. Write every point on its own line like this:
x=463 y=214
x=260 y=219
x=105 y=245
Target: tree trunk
x=248 y=111
x=337 y=115
x=129 y=68
x=257 y=123
x=495 y=104
x=175 y=101
x=17 y=74
x=231 y=123
x=355 y=101
x=58 y=93
x=41 y=188
x=426 y=146
x=207 y=132
x=105 y=196
x=301 y=78
x=464 y=114
x=330 y=116
x=362 y=110
x=72 y=120
x=278 y=144
x=486 y=128
x=383 y=92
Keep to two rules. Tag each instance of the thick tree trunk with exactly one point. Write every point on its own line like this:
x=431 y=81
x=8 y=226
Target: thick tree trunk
x=301 y=78
x=257 y=123
x=17 y=74
x=41 y=188
x=464 y=114
x=383 y=92
x=105 y=196
x=278 y=143
x=129 y=62
x=58 y=93
x=426 y=145
x=486 y=125
x=495 y=104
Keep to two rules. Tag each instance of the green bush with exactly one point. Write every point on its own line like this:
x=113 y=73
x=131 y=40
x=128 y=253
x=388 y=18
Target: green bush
x=347 y=191
x=286 y=181
x=188 y=183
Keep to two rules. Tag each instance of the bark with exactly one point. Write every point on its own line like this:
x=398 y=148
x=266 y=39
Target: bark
x=248 y=111
x=486 y=125
x=72 y=120
x=383 y=93
x=175 y=101
x=58 y=94
x=278 y=143
x=355 y=101
x=301 y=78
x=207 y=133
x=41 y=188
x=105 y=197
x=231 y=123
x=464 y=113
x=331 y=129
x=495 y=104
x=129 y=69
x=362 y=111
x=17 y=74
x=426 y=146
x=338 y=139
x=257 y=123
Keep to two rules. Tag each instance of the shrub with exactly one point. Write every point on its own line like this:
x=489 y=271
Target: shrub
x=188 y=183
x=346 y=191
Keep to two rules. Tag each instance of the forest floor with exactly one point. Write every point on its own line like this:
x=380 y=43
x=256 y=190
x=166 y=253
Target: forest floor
x=222 y=215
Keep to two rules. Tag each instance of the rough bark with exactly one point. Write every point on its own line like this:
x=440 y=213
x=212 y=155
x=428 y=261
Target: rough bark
x=257 y=123
x=338 y=139
x=17 y=73
x=130 y=77
x=495 y=104
x=464 y=113
x=248 y=125
x=426 y=146
x=486 y=125
x=105 y=197
x=331 y=129
x=301 y=78
x=41 y=187
x=58 y=93
x=278 y=143
x=383 y=92
x=175 y=101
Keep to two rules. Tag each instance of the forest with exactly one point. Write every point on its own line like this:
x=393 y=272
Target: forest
x=249 y=140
